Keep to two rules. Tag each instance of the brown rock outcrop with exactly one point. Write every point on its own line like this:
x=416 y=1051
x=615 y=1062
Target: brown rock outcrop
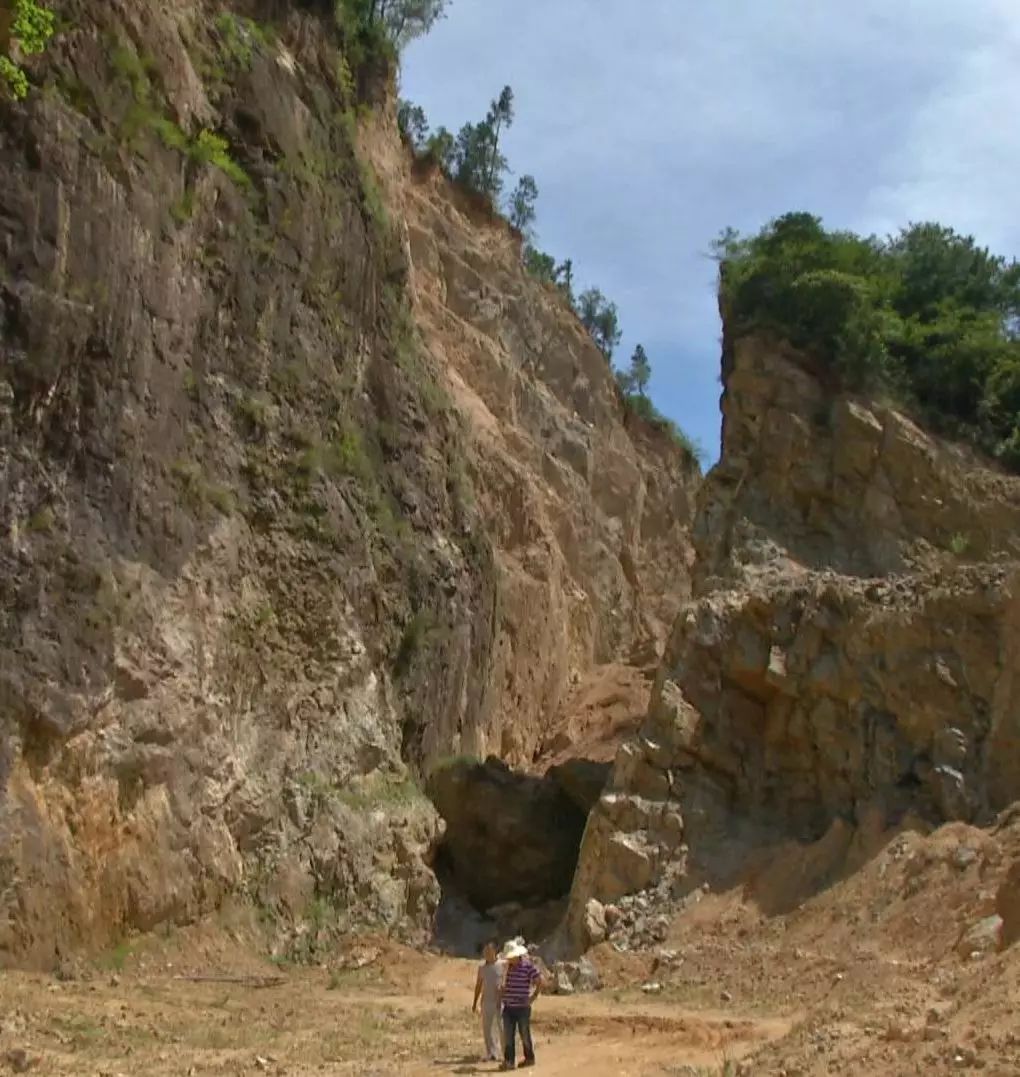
x=1007 y=905
x=589 y=516
x=842 y=664
x=263 y=554
x=810 y=478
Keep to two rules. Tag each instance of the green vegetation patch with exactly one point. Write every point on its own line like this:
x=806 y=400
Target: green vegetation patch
x=926 y=316
x=32 y=28
x=375 y=791
x=145 y=114
x=241 y=39
x=198 y=490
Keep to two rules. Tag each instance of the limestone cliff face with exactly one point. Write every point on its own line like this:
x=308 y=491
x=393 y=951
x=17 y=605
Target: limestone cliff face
x=268 y=547
x=810 y=479
x=589 y=511
x=851 y=655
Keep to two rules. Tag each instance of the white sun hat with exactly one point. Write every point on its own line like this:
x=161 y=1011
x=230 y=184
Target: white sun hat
x=513 y=949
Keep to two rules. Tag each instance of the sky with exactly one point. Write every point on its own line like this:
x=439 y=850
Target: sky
x=651 y=125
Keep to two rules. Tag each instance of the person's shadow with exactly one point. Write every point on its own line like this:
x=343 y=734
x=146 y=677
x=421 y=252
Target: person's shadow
x=470 y=1064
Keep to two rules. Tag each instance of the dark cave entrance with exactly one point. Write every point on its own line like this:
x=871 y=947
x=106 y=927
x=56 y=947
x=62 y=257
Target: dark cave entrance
x=507 y=859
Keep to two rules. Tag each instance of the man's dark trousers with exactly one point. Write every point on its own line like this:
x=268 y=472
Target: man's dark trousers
x=517 y=1018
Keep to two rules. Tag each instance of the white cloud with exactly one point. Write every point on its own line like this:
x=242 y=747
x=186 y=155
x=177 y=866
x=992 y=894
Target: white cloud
x=960 y=161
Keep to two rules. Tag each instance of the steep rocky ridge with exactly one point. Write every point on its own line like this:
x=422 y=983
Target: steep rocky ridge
x=812 y=478
x=848 y=665
x=270 y=548
x=589 y=515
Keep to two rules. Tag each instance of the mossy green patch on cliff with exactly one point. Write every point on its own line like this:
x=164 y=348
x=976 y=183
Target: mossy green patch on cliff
x=453 y=762
x=42 y=521
x=408 y=352
x=241 y=39
x=959 y=544
x=372 y=792
x=146 y=115
x=31 y=29
x=212 y=149
x=198 y=491
x=411 y=642
x=256 y=412
x=14 y=78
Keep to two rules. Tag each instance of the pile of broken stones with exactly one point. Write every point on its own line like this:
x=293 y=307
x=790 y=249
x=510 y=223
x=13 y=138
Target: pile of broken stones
x=636 y=923
x=641 y=921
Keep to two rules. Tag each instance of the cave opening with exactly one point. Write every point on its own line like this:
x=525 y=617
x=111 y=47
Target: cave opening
x=507 y=858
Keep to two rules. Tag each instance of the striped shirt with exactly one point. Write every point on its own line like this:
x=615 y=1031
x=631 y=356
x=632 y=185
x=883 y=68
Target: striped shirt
x=518 y=982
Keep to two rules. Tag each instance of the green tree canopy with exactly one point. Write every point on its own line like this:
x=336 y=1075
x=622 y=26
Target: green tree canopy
x=539 y=264
x=601 y=319
x=522 y=204
x=441 y=147
x=413 y=124
x=404 y=20
x=475 y=151
x=565 y=279
x=500 y=117
x=640 y=370
x=478 y=162
x=927 y=314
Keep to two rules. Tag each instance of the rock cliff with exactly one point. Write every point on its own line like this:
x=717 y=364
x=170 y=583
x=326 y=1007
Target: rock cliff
x=303 y=485
x=848 y=664
x=589 y=515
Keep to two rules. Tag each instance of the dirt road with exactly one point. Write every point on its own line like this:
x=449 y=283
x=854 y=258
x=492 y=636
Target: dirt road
x=410 y=1017
x=881 y=973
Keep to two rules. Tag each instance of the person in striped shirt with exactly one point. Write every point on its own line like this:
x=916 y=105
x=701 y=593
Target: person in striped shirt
x=521 y=985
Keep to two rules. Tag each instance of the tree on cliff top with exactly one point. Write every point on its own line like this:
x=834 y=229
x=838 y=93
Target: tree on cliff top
x=640 y=370
x=402 y=20
x=413 y=125
x=388 y=24
x=479 y=164
x=522 y=205
x=927 y=315
x=601 y=319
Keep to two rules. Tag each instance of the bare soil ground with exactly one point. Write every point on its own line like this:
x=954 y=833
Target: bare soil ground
x=402 y=1014
x=870 y=976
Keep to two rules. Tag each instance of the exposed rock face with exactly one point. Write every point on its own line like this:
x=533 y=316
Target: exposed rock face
x=509 y=837
x=255 y=561
x=796 y=701
x=811 y=699
x=813 y=479
x=204 y=570
x=589 y=517
x=1007 y=905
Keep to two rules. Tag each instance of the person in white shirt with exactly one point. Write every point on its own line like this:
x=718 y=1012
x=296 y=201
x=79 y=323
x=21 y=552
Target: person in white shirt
x=487 y=988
